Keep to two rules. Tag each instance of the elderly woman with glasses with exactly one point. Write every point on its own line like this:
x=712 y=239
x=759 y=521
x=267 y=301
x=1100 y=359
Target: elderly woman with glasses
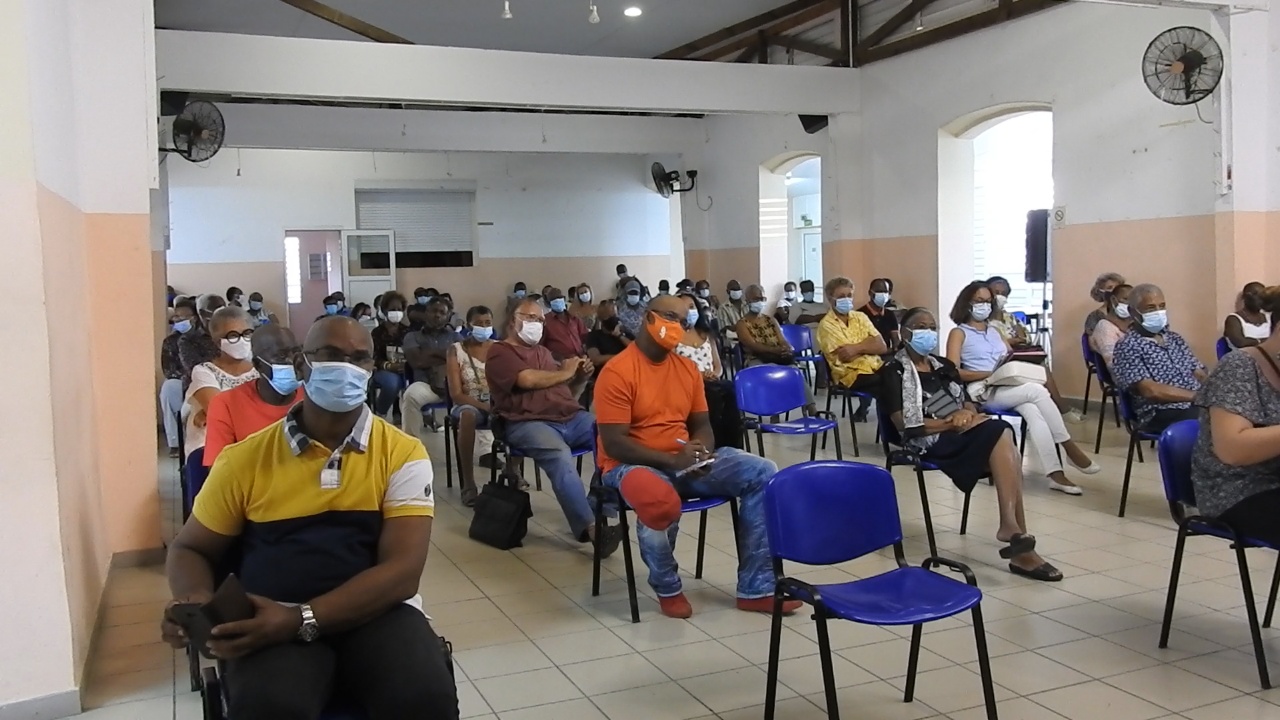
x=231 y=328
x=1102 y=286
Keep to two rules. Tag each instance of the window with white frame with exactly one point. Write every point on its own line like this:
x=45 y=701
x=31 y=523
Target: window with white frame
x=293 y=270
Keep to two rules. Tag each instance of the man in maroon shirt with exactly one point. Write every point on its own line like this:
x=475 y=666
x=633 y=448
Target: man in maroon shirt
x=537 y=398
x=564 y=331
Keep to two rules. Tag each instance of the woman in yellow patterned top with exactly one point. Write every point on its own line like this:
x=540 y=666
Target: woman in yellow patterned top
x=850 y=344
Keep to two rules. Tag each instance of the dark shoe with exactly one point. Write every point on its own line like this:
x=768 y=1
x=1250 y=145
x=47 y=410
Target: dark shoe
x=610 y=542
x=175 y=453
x=469 y=495
x=1019 y=544
x=1045 y=572
x=488 y=461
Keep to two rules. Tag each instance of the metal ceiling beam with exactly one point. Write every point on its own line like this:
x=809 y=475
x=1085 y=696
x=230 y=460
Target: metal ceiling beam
x=346 y=22
x=745 y=27
x=778 y=28
x=747 y=55
x=900 y=18
x=805 y=46
x=988 y=18
x=848 y=30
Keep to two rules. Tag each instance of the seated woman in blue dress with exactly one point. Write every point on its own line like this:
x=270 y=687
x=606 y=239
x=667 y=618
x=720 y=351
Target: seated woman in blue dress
x=923 y=396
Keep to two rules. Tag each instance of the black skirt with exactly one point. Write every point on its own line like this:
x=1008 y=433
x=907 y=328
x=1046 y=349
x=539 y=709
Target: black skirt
x=965 y=457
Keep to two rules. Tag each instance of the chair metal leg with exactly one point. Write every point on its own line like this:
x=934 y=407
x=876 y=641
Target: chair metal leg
x=775 y=646
x=702 y=543
x=828 y=674
x=1173 y=587
x=853 y=433
x=928 y=518
x=1271 y=597
x=913 y=660
x=1138 y=445
x=537 y=478
x=448 y=454
x=839 y=450
x=1251 y=610
x=626 y=560
x=733 y=516
x=595 y=551
x=193 y=667
x=984 y=662
x=760 y=441
x=1088 y=383
x=813 y=448
x=964 y=514
x=1128 y=471
x=1102 y=417
x=1022 y=441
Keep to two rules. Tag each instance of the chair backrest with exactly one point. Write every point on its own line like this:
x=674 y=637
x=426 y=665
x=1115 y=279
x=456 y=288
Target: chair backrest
x=1019 y=316
x=1174 y=449
x=830 y=511
x=888 y=431
x=1101 y=371
x=1223 y=347
x=769 y=389
x=798 y=337
x=1090 y=359
x=1126 y=407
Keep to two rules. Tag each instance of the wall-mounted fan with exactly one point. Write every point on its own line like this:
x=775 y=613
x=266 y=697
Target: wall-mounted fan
x=667 y=182
x=1183 y=65
x=198 y=131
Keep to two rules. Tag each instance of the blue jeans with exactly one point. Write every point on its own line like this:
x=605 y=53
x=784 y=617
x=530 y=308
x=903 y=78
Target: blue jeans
x=386 y=386
x=547 y=444
x=734 y=474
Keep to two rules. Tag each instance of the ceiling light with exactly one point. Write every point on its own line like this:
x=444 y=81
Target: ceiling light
x=506 y=9
x=594 y=17
x=633 y=12
x=919 y=22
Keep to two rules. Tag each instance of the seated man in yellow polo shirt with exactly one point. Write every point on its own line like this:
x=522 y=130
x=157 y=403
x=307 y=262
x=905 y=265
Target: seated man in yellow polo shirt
x=330 y=510
x=850 y=344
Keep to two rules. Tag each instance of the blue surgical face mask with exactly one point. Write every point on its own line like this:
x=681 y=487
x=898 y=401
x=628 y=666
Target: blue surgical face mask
x=1155 y=321
x=558 y=305
x=337 y=386
x=423 y=299
x=520 y=294
x=980 y=311
x=330 y=309
x=284 y=379
x=923 y=340
x=756 y=307
x=808 y=297
x=1122 y=310
x=881 y=299
x=735 y=294
x=691 y=317
x=481 y=333
x=844 y=305
x=633 y=299
x=255 y=304
x=182 y=326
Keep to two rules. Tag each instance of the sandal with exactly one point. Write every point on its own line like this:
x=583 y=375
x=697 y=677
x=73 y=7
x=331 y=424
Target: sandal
x=1019 y=544
x=1045 y=572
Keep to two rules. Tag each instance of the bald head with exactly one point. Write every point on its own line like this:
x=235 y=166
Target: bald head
x=669 y=304
x=275 y=344
x=340 y=333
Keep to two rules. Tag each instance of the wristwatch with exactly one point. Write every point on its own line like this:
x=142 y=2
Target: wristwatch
x=309 y=630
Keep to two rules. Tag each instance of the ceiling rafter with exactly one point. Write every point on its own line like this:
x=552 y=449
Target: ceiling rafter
x=806 y=46
x=900 y=18
x=742 y=35
x=347 y=22
x=780 y=27
x=1005 y=11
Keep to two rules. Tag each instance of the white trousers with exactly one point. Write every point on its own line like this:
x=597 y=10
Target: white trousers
x=415 y=396
x=1045 y=428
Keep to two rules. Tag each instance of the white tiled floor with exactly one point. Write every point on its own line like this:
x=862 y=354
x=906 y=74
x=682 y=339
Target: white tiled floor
x=531 y=643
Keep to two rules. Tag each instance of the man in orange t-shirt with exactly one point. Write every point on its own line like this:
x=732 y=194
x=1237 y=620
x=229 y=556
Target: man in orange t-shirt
x=651 y=411
x=238 y=413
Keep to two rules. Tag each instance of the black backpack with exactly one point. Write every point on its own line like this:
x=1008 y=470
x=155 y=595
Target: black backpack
x=502 y=513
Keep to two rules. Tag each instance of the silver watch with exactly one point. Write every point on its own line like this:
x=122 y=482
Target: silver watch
x=309 y=630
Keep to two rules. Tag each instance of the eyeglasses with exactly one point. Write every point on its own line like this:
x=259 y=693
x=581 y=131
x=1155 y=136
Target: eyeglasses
x=361 y=358
x=283 y=356
x=530 y=317
x=235 y=337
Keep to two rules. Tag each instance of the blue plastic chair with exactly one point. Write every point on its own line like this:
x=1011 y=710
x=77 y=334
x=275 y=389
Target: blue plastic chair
x=834 y=390
x=1174 y=450
x=194 y=473
x=1107 y=386
x=768 y=390
x=829 y=512
x=502 y=447
x=897 y=453
x=800 y=339
x=445 y=405
x=1223 y=347
x=1137 y=434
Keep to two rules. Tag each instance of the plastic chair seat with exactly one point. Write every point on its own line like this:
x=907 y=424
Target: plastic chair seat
x=688 y=505
x=1196 y=527
x=907 y=596
x=800 y=426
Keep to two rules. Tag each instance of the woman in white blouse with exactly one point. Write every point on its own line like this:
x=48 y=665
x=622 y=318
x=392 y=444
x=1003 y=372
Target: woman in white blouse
x=1250 y=325
x=698 y=343
x=231 y=328
x=1114 y=324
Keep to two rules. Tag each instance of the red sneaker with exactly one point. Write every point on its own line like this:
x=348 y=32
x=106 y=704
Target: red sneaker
x=765 y=605
x=676 y=606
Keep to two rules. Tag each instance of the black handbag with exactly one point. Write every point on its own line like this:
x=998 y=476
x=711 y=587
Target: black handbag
x=726 y=418
x=502 y=513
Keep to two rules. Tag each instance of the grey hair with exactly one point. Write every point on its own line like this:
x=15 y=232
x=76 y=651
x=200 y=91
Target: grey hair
x=1096 y=293
x=1141 y=292
x=203 y=302
x=228 y=314
x=835 y=283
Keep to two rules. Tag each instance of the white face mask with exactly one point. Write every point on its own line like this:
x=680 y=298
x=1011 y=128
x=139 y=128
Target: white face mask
x=395 y=316
x=530 y=332
x=789 y=295
x=735 y=294
x=1000 y=301
x=241 y=350
x=584 y=297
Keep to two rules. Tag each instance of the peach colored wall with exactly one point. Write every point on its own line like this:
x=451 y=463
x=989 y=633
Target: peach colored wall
x=264 y=277
x=119 y=246
x=86 y=552
x=720 y=265
x=160 y=315
x=911 y=262
x=1245 y=248
x=1178 y=254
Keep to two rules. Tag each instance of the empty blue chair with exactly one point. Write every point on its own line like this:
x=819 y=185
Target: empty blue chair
x=768 y=390
x=801 y=341
x=829 y=512
x=1223 y=347
x=846 y=395
x=1174 y=450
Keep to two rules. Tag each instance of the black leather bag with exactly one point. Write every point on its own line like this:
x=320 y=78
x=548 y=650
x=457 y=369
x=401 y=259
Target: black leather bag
x=726 y=419
x=502 y=513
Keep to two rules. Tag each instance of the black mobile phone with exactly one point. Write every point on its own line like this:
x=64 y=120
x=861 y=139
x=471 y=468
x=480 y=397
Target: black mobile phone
x=229 y=604
x=194 y=623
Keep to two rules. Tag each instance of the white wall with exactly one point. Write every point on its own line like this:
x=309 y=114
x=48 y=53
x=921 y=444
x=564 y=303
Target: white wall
x=237 y=208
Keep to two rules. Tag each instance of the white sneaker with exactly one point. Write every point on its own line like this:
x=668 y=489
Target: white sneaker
x=1073 y=416
x=1066 y=489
